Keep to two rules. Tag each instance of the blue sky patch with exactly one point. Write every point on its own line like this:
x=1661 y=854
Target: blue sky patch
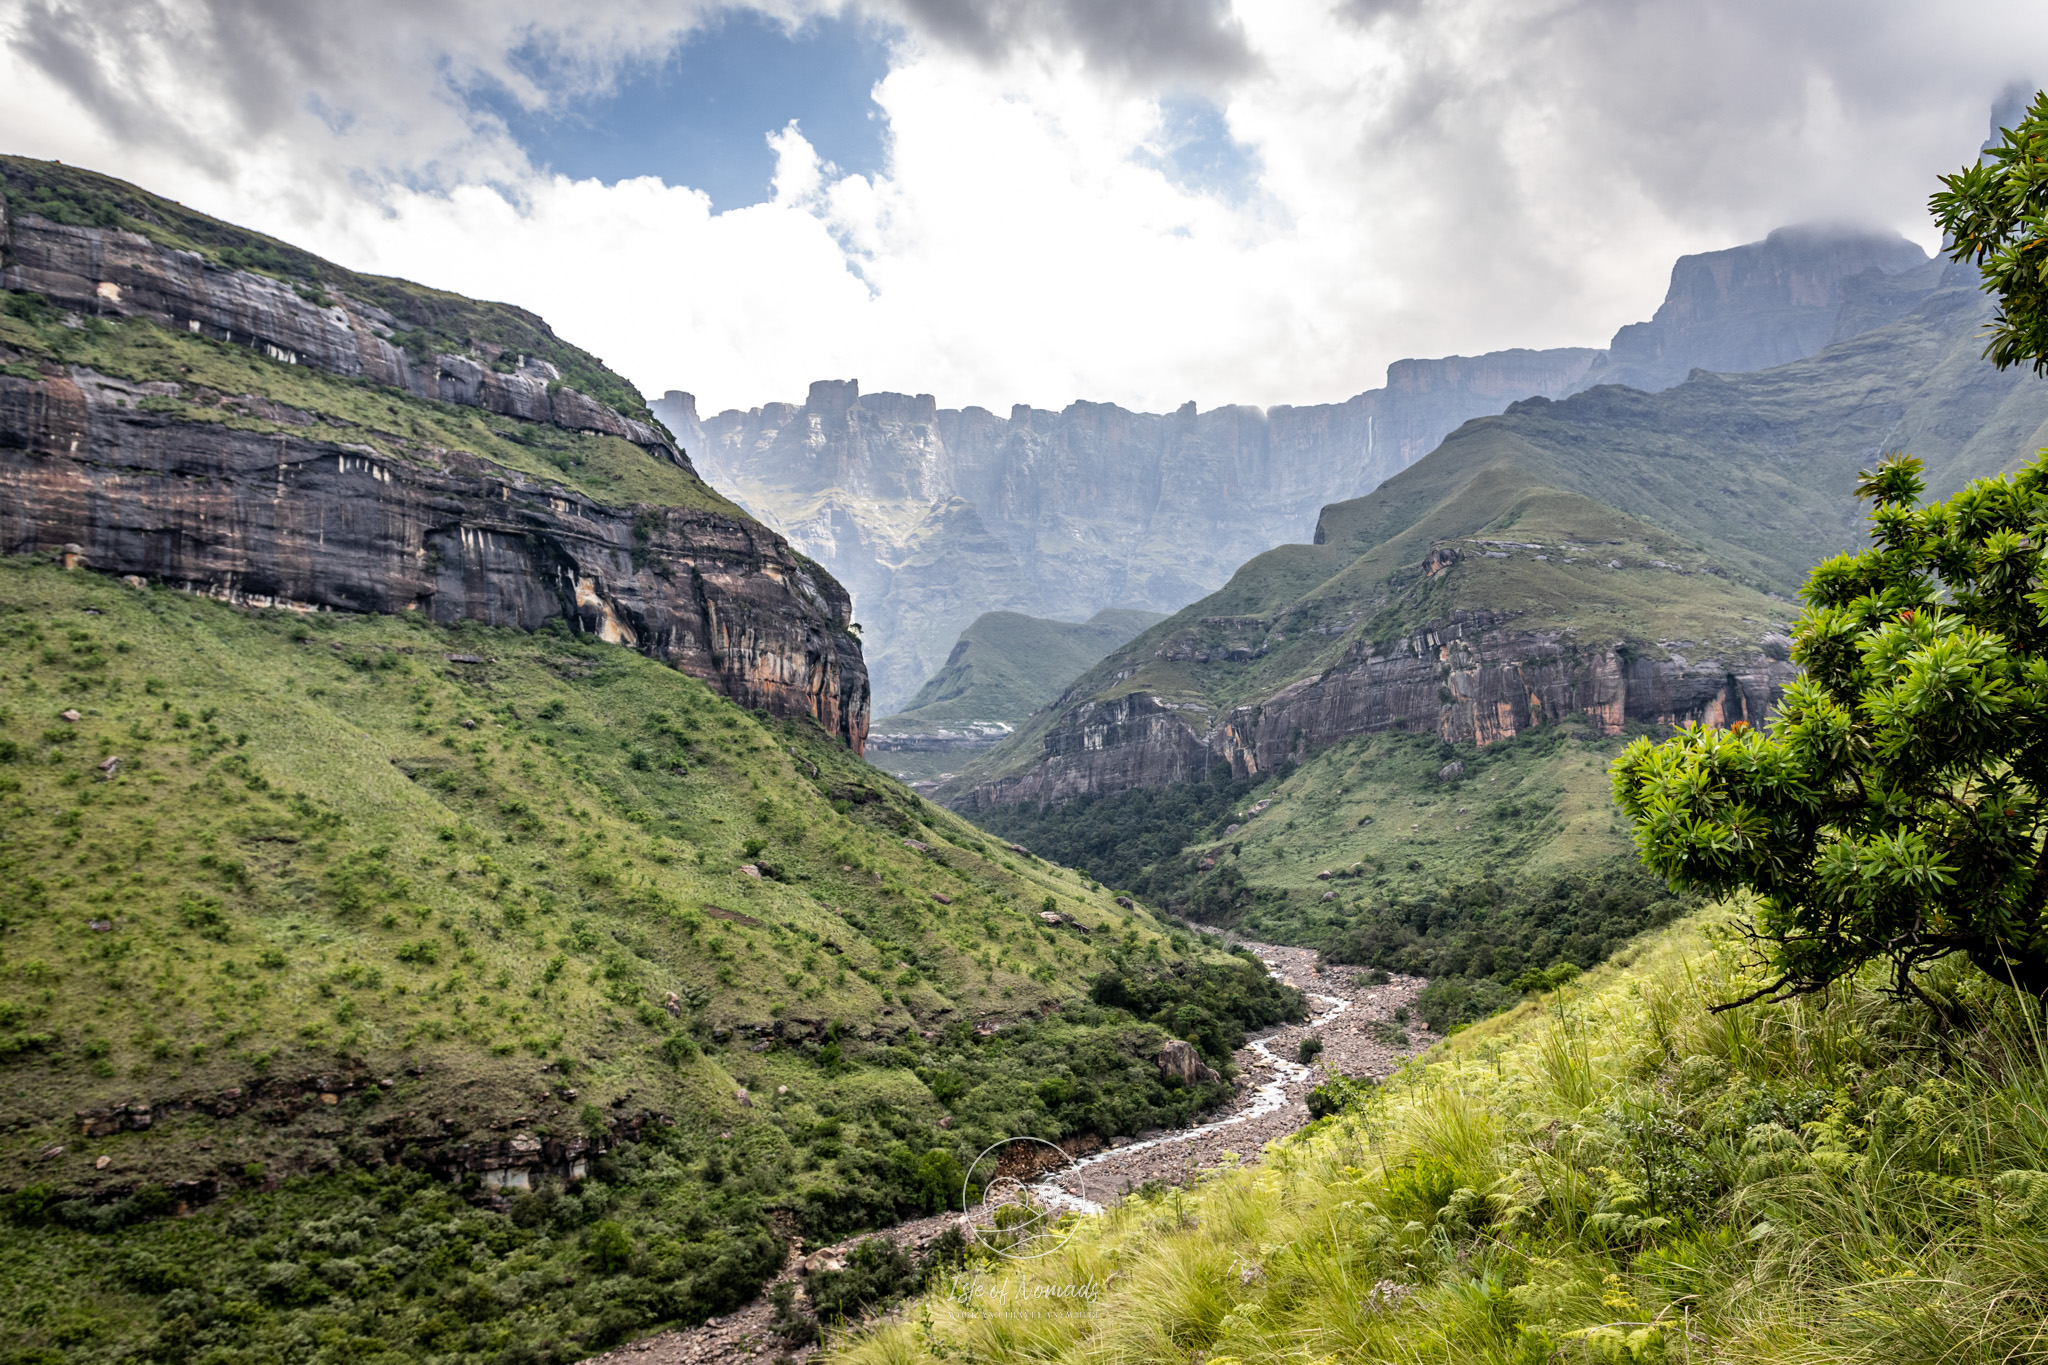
x=701 y=116
x=1198 y=152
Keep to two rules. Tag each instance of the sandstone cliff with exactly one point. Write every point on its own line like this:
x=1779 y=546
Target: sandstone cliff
x=1626 y=556
x=933 y=515
x=142 y=463
x=1472 y=679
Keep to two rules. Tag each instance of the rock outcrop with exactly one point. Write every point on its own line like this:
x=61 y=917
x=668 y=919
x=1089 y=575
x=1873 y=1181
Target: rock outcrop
x=111 y=273
x=293 y=518
x=1767 y=303
x=1472 y=679
x=1180 y=1060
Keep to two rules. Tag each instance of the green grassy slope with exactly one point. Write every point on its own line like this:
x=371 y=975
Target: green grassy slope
x=431 y=320
x=503 y=872
x=1612 y=1174
x=1517 y=864
x=1007 y=665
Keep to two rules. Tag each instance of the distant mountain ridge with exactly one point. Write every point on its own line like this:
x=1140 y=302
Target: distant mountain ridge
x=932 y=516
x=1003 y=668
x=1625 y=555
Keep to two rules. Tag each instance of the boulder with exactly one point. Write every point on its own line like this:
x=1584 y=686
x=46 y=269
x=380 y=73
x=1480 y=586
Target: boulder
x=1180 y=1059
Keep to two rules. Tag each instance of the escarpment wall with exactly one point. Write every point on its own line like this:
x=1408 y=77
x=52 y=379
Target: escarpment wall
x=1471 y=679
x=108 y=272
x=285 y=517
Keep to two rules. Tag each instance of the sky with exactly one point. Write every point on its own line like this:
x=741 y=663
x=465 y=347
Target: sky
x=999 y=201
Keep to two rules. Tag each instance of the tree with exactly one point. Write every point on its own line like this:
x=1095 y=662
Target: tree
x=1897 y=810
x=1996 y=213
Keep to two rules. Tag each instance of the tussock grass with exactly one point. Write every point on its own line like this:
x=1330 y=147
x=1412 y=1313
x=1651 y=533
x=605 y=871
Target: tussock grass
x=1608 y=1173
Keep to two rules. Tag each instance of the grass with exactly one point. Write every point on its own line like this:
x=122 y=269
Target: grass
x=215 y=380
x=330 y=855
x=1611 y=1173
x=1377 y=851
x=1007 y=665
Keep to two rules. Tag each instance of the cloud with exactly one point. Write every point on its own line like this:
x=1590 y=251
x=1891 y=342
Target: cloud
x=1155 y=42
x=1143 y=203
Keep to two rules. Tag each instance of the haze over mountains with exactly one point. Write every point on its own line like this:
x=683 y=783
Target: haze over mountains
x=1627 y=555
x=932 y=516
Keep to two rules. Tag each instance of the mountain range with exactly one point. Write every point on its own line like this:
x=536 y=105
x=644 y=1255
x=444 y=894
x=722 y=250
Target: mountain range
x=932 y=516
x=1630 y=556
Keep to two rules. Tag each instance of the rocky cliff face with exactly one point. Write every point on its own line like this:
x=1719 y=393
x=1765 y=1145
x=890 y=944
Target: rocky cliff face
x=1474 y=678
x=110 y=273
x=934 y=515
x=257 y=500
x=1763 y=304
x=294 y=519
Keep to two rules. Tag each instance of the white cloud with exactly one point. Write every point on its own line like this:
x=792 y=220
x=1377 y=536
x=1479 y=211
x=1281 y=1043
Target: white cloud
x=1432 y=177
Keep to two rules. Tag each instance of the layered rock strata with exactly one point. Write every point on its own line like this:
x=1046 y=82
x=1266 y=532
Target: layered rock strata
x=286 y=517
x=1473 y=678
x=108 y=272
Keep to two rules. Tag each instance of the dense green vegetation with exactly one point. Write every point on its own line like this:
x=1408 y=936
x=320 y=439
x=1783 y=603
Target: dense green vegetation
x=280 y=859
x=1612 y=1174
x=1516 y=865
x=430 y=320
x=1131 y=840
x=1894 y=810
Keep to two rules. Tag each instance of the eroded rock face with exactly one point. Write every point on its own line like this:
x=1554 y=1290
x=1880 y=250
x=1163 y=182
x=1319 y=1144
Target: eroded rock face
x=1180 y=1060
x=933 y=516
x=289 y=517
x=108 y=272
x=1472 y=679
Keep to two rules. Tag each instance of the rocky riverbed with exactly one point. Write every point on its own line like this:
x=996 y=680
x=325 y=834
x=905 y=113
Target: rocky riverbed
x=1367 y=1030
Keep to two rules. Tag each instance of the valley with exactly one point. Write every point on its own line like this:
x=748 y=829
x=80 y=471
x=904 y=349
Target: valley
x=1366 y=1030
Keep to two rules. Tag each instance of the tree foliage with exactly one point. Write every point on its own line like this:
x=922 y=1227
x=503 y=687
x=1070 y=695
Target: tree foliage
x=1895 y=811
x=1995 y=212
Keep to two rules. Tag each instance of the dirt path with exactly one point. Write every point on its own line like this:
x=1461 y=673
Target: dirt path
x=1348 y=1013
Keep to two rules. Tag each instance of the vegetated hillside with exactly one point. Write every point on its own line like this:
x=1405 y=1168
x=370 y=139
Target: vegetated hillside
x=1004 y=666
x=1612 y=1174
x=430 y=968
x=188 y=402
x=1614 y=562
x=1491 y=872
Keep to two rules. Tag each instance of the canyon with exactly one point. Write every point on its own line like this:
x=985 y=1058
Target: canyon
x=1625 y=556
